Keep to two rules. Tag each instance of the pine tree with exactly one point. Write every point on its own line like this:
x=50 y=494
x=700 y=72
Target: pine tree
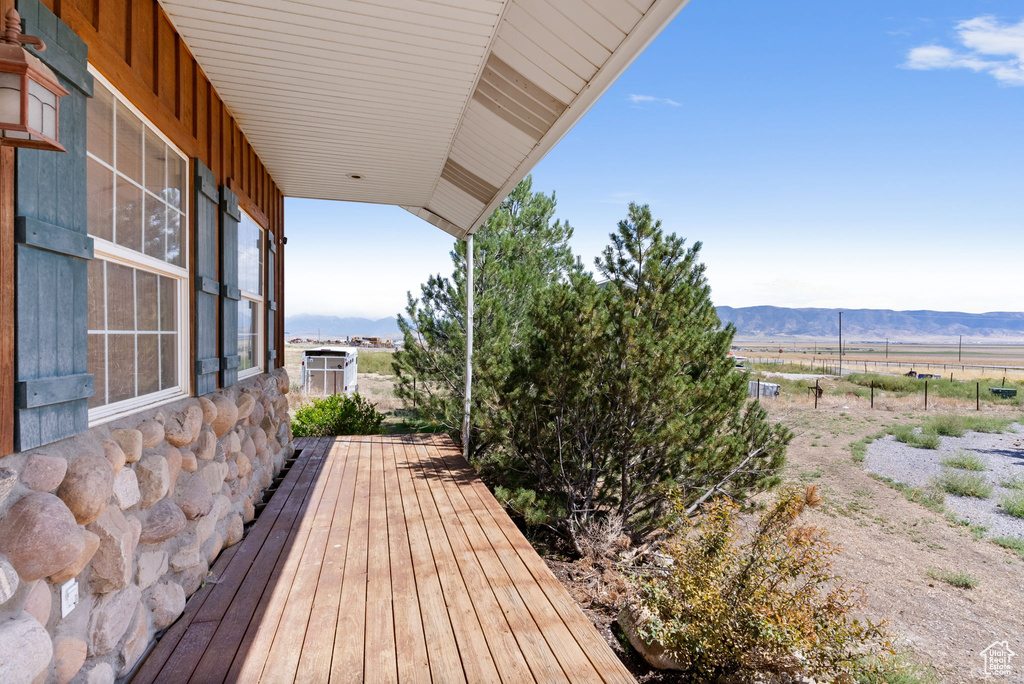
x=518 y=253
x=626 y=397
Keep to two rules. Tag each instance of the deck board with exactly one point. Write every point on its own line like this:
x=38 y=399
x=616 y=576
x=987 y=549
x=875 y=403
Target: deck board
x=382 y=559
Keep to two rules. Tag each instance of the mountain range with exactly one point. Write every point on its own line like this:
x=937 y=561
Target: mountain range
x=310 y=325
x=766 y=321
x=875 y=324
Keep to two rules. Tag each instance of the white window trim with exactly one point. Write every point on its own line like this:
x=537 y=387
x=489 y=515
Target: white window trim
x=115 y=253
x=260 y=342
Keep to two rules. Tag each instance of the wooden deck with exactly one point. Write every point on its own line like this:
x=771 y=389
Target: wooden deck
x=382 y=559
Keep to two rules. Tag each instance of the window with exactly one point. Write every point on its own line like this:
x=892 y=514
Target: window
x=250 y=307
x=138 y=297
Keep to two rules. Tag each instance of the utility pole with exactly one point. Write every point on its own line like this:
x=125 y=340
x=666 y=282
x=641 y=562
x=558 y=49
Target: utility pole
x=840 y=343
x=960 y=350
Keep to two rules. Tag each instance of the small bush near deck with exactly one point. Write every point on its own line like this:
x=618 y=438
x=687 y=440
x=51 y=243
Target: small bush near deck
x=337 y=415
x=1015 y=482
x=964 y=484
x=1014 y=504
x=964 y=461
x=733 y=604
x=957 y=579
x=911 y=437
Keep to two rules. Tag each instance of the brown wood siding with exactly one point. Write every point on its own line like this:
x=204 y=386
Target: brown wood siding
x=134 y=45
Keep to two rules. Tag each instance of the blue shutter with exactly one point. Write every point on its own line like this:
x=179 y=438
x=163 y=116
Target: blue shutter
x=271 y=290
x=206 y=209
x=229 y=292
x=52 y=250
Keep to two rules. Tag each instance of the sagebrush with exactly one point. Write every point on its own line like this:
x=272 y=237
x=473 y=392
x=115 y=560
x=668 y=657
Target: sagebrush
x=337 y=414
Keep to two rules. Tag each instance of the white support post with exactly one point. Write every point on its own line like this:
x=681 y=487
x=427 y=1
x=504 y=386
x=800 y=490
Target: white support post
x=469 y=344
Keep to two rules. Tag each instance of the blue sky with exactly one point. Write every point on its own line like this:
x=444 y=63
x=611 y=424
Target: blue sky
x=857 y=155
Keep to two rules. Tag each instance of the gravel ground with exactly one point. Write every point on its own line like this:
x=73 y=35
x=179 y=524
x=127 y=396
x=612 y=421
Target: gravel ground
x=1003 y=454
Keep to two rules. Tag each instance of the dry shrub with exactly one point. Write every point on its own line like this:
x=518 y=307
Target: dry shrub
x=737 y=603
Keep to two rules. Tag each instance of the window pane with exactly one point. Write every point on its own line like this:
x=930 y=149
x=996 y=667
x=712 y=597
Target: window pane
x=129 y=143
x=149 y=364
x=100 y=131
x=101 y=200
x=147 y=300
x=156 y=164
x=168 y=361
x=129 y=215
x=98 y=368
x=250 y=255
x=97 y=308
x=155 y=229
x=248 y=329
x=177 y=185
x=168 y=304
x=121 y=367
x=120 y=298
x=175 y=250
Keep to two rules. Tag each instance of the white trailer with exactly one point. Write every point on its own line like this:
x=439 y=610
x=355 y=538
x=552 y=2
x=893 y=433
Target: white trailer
x=759 y=389
x=330 y=370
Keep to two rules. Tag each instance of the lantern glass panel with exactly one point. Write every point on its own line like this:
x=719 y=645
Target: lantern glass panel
x=10 y=100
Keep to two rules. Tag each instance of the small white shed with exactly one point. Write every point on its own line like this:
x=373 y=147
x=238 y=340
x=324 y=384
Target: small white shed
x=759 y=389
x=330 y=370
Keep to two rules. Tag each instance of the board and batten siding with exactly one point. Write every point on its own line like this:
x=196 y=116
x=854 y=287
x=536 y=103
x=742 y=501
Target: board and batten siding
x=52 y=249
x=136 y=47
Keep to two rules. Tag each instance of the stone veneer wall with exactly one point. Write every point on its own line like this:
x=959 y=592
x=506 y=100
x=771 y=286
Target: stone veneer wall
x=136 y=509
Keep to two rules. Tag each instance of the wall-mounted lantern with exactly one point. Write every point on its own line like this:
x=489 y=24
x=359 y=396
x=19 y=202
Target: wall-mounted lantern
x=29 y=92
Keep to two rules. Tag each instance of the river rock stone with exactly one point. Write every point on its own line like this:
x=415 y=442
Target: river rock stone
x=244 y=465
x=150 y=567
x=152 y=433
x=39 y=602
x=189 y=463
x=206 y=445
x=8 y=581
x=232 y=444
x=186 y=557
x=182 y=427
x=258 y=411
x=209 y=409
x=654 y=652
x=68 y=659
x=39 y=536
x=213 y=547
x=100 y=673
x=166 y=603
x=25 y=650
x=112 y=564
x=173 y=456
x=115 y=454
x=248 y=511
x=227 y=415
x=43 y=473
x=194 y=498
x=234 y=531
x=259 y=439
x=249 y=447
x=126 y=489
x=131 y=444
x=244 y=404
x=110 y=618
x=87 y=487
x=213 y=473
x=161 y=522
x=8 y=479
x=154 y=478
x=91 y=542
x=205 y=527
x=192 y=578
x=136 y=642
x=281 y=375
x=233 y=469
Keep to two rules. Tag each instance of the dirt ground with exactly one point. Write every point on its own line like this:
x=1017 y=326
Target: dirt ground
x=890 y=543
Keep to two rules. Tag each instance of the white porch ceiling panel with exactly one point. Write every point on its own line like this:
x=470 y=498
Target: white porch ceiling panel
x=438 y=106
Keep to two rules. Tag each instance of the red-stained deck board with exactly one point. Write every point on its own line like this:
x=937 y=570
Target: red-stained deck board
x=382 y=559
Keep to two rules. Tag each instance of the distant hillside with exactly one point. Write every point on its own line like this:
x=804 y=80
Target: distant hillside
x=304 y=325
x=874 y=324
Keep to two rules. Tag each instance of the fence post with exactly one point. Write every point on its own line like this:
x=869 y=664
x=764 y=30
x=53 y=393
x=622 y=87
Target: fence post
x=759 y=390
x=925 y=395
x=977 y=395
x=872 y=395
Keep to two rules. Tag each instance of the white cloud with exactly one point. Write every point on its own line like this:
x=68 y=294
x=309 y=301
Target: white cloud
x=650 y=99
x=989 y=47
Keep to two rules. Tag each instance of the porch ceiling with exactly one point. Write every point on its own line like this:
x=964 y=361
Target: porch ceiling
x=440 y=107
